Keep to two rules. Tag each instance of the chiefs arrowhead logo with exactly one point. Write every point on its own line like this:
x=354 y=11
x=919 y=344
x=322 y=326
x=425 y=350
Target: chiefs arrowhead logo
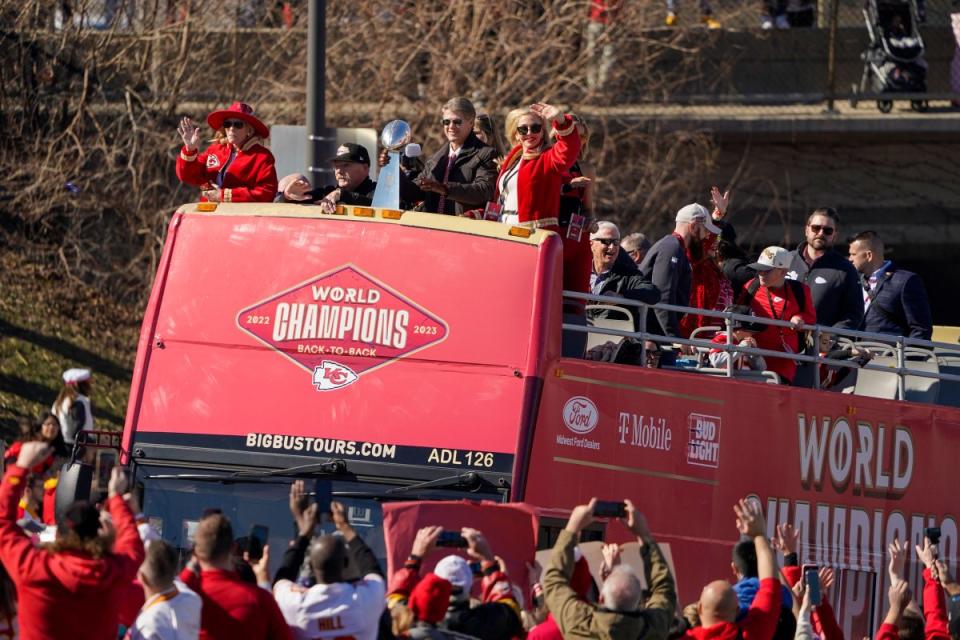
x=341 y=325
x=333 y=375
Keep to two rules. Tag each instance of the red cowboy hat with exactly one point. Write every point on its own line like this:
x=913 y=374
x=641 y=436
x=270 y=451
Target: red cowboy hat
x=240 y=111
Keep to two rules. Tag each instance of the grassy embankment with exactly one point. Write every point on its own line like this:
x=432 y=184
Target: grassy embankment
x=47 y=325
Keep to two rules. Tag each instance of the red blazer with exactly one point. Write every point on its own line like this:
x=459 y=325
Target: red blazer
x=541 y=177
x=251 y=177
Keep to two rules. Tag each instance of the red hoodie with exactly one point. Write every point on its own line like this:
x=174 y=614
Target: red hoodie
x=66 y=594
x=759 y=623
x=234 y=609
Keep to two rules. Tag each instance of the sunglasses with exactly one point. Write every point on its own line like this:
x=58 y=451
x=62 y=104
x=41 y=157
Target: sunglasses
x=827 y=231
x=533 y=128
x=455 y=122
x=605 y=241
x=234 y=124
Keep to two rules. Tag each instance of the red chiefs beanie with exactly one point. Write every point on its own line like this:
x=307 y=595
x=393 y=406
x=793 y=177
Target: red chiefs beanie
x=430 y=598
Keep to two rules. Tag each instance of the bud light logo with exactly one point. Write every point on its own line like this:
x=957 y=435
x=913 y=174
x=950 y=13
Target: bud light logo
x=580 y=415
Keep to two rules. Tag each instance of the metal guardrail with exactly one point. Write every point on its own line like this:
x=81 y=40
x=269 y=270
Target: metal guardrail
x=899 y=344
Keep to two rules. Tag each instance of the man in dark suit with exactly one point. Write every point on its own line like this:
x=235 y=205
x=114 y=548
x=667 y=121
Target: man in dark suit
x=895 y=300
x=461 y=175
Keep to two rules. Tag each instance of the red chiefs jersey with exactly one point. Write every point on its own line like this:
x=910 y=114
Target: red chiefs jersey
x=251 y=177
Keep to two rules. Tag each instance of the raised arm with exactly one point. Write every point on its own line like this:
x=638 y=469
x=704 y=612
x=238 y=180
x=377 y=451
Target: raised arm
x=17 y=551
x=363 y=562
x=305 y=515
x=566 y=149
x=662 y=602
x=761 y=620
x=572 y=615
x=128 y=546
x=934 y=605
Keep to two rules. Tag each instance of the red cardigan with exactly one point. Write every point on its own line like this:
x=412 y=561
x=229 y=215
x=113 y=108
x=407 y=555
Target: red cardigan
x=541 y=177
x=251 y=177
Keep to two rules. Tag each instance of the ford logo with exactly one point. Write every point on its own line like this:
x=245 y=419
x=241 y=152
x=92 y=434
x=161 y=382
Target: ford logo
x=580 y=415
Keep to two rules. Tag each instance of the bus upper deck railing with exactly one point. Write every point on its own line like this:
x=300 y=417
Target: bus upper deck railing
x=906 y=350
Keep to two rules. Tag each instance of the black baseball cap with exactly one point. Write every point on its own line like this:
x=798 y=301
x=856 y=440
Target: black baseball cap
x=350 y=152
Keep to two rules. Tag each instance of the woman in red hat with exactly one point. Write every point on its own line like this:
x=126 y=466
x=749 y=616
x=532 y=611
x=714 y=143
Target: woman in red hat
x=236 y=167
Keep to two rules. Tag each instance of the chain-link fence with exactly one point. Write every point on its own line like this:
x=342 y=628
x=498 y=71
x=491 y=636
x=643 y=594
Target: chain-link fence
x=717 y=53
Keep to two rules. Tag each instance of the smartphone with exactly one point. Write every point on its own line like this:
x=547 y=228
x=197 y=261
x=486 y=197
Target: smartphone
x=811 y=577
x=259 y=534
x=323 y=495
x=933 y=533
x=608 y=509
x=452 y=539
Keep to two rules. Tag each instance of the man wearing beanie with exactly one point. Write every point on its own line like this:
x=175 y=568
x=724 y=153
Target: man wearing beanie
x=70 y=589
x=496 y=616
x=428 y=604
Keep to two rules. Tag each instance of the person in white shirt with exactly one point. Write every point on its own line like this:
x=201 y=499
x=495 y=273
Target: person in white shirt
x=171 y=610
x=333 y=607
x=72 y=406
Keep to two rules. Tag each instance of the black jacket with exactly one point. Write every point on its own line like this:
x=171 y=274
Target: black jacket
x=626 y=281
x=667 y=266
x=361 y=196
x=834 y=286
x=470 y=183
x=900 y=306
x=490 y=621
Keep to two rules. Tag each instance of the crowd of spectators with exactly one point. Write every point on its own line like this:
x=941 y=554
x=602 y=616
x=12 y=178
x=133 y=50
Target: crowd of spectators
x=106 y=573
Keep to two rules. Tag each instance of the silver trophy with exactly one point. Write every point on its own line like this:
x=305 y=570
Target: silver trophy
x=394 y=137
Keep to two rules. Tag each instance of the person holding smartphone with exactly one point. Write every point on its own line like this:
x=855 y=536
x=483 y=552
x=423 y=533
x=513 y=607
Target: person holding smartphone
x=495 y=616
x=621 y=593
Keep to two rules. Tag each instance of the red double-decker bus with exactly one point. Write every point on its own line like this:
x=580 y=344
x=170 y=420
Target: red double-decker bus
x=408 y=355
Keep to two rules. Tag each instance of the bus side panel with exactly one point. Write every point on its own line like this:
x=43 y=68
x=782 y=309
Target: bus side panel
x=147 y=331
x=852 y=473
x=229 y=365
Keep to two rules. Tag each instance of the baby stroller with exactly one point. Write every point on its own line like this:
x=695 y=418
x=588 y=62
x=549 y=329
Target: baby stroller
x=894 y=62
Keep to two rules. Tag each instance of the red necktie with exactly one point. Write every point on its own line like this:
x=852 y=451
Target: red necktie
x=446 y=176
